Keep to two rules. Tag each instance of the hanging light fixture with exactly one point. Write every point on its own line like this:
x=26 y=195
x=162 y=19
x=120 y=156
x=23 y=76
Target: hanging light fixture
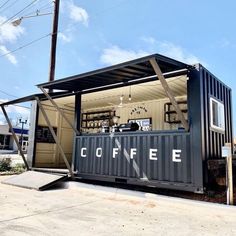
x=130 y=93
x=121 y=101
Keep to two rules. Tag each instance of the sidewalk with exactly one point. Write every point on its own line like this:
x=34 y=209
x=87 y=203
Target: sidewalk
x=85 y=209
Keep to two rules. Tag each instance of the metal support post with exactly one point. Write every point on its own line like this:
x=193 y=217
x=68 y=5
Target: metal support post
x=15 y=138
x=227 y=153
x=229 y=180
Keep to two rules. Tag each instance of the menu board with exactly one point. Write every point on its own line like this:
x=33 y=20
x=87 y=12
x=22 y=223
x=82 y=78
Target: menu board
x=44 y=135
x=145 y=124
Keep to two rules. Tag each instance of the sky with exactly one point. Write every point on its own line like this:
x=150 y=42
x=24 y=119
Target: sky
x=94 y=34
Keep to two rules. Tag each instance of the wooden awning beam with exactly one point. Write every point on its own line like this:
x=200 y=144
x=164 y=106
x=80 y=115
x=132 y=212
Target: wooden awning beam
x=14 y=137
x=169 y=93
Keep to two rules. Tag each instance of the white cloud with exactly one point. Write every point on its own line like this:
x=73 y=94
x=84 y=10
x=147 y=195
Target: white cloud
x=225 y=43
x=174 y=51
x=78 y=14
x=170 y=49
x=9 y=56
x=64 y=38
x=8 y=32
x=115 y=54
x=149 y=39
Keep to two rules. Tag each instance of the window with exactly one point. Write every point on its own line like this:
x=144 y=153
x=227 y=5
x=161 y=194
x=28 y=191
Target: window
x=217 y=115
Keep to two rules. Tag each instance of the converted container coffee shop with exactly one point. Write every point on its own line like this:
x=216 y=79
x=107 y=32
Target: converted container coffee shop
x=151 y=121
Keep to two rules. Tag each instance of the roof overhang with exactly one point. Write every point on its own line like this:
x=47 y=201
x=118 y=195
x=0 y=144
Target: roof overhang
x=128 y=73
x=31 y=97
x=117 y=75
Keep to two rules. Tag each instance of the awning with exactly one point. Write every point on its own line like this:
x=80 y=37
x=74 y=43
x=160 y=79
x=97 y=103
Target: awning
x=121 y=73
x=31 y=97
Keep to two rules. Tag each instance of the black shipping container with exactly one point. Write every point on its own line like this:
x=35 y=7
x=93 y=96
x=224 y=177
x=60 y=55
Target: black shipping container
x=174 y=159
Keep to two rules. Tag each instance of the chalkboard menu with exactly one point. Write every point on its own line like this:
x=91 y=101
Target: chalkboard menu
x=44 y=135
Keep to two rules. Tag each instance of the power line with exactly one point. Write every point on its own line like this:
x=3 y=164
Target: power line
x=9 y=6
x=40 y=8
x=15 y=105
x=36 y=12
x=1 y=91
x=4 y=4
x=7 y=20
x=25 y=45
x=20 y=106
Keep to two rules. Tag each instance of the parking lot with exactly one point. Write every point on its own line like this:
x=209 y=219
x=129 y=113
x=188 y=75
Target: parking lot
x=75 y=208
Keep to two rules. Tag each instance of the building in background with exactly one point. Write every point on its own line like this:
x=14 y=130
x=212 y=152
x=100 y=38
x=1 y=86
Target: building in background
x=7 y=141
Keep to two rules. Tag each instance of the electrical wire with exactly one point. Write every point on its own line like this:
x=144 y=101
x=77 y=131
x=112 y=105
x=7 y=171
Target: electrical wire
x=20 y=106
x=1 y=91
x=8 y=94
x=37 y=11
x=40 y=8
x=25 y=45
x=15 y=105
x=29 y=5
x=7 y=7
x=4 y=4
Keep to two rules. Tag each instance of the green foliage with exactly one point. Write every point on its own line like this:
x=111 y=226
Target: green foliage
x=18 y=168
x=5 y=164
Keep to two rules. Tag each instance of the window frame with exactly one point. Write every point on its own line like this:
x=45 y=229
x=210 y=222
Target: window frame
x=220 y=114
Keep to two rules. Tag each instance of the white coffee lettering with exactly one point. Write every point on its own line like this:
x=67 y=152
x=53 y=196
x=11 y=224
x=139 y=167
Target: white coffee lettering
x=153 y=154
x=176 y=155
x=114 y=152
x=133 y=151
x=99 y=152
x=83 y=152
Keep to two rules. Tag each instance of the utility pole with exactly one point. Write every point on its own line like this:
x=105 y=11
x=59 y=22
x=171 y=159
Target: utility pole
x=22 y=130
x=54 y=42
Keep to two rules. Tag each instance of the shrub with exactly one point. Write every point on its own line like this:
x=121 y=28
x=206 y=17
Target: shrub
x=5 y=164
x=18 y=168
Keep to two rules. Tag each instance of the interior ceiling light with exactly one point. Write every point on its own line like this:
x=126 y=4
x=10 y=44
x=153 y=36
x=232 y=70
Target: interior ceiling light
x=130 y=93
x=121 y=101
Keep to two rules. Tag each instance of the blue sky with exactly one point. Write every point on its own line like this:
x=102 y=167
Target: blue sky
x=94 y=34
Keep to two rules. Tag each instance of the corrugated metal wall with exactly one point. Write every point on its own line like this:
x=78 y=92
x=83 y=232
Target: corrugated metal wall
x=214 y=140
x=140 y=167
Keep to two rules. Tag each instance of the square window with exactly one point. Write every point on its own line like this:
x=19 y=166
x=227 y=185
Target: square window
x=217 y=115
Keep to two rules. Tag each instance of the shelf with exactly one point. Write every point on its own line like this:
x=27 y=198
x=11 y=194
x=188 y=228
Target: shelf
x=89 y=117
x=170 y=115
x=94 y=127
x=172 y=112
x=101 y=118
